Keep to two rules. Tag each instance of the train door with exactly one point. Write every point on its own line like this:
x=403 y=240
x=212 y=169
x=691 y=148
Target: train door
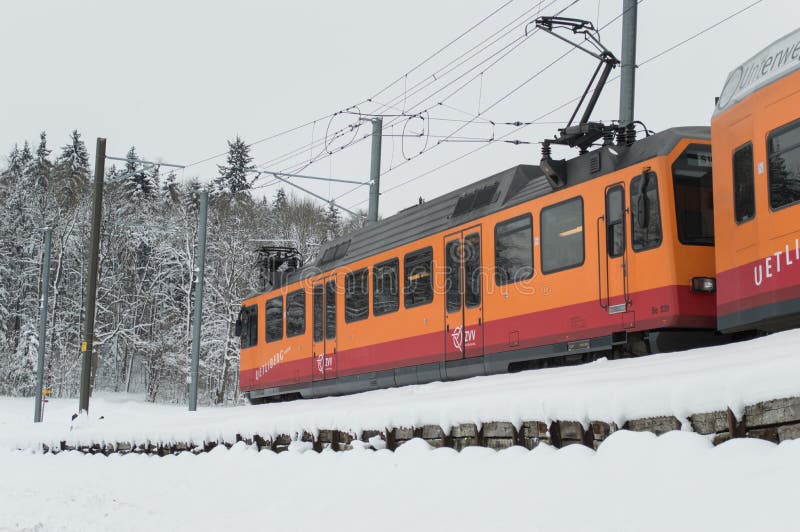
x=463 y=297
x=324 y=329
x=613 y=259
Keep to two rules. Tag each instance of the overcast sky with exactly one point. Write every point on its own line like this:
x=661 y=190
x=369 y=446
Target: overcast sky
x=179 y=78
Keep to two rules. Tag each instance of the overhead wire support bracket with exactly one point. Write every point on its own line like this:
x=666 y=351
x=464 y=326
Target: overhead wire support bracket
x=143 y=162
x=278 y=175
x=285 y=174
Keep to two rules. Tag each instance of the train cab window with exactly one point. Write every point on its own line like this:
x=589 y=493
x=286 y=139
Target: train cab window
x=783 y=154
x=562 y=235
x=385 y=287
x=247 y=326
x=418 y=278
x=694 y=200
x=274 y=319
x=330 y=310
x=513 y=250
x=615 y=221
x=744 y=197
x=296 y=313
x=645 y=212
x=356 y=295
x=317 y=310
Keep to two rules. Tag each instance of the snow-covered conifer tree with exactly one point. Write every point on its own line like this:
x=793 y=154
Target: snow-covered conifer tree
x=233 y=176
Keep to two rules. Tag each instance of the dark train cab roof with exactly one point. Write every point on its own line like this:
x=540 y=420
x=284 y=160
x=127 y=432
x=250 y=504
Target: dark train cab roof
x=489 y=195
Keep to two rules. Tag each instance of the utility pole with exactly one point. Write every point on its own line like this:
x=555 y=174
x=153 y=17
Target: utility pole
x=87 y=345
x=375 y=170
x=628 y=81
x=198 y=298
x=45 y=279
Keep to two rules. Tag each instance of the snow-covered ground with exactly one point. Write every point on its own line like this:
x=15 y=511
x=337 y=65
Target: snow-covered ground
x=634 y=482
x=679 y=384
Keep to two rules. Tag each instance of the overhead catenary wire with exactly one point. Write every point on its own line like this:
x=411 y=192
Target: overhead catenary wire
x=429 y=80
x=573 y=100
x=381 y=91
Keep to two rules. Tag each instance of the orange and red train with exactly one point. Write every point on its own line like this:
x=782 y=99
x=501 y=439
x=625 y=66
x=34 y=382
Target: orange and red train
x=628 y=253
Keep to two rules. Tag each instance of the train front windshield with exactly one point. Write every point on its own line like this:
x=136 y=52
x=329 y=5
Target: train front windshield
x=694 y=204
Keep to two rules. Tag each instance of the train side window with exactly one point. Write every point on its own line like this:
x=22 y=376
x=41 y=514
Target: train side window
x=783 y=155
x=330 y=309
x=385 y=287
x=744 y=199
x=247 y=326
x=513 y=250
x=274 y=319
x=645 y=212
x=418 y=278
x=615 y=221
x=317 y=311
x=356 y=295
x=562 y=235
x=296 y=313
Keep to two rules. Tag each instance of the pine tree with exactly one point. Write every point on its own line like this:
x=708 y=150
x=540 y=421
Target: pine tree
x=14 y=170
x=74 y=157
x=170 y=190
x=280 y=202
x=233 y=176
x=140 y=183
x=42 y=165
x=333 y=224
x=72 y=167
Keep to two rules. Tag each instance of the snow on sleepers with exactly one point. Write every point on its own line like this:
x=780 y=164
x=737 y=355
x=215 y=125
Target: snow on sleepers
x=709 y=390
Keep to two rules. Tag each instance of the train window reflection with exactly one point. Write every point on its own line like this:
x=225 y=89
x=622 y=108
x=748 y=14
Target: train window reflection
x=513 y=250
x=645 y=212
x=783 y=153
x=418 y=285
x=356 y=296
x=385 y=291
x=275 y=319
x=296 y=313
x=562 y=235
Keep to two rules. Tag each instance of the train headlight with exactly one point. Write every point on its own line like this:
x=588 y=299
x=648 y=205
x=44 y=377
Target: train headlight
x=704 y=284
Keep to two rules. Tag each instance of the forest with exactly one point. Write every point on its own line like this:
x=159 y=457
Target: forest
x=147 y=265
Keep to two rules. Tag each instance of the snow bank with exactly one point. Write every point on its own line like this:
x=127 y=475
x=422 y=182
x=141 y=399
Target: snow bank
x=634 y=482
x=679 y=384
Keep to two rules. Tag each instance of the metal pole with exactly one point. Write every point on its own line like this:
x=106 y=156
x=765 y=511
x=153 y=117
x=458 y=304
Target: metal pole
x=91 y=281
x=198 y=298
x=628 y=81
x=48 y=233
x=375 y=170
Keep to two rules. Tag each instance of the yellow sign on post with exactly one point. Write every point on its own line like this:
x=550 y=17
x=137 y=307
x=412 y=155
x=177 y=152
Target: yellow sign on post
x=83 y=347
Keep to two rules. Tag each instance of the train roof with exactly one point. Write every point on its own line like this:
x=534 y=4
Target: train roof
x=777 y=60
x=486 y=196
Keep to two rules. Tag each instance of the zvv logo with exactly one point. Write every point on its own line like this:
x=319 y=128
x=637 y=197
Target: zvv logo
x=465 y=336
x=456 y=336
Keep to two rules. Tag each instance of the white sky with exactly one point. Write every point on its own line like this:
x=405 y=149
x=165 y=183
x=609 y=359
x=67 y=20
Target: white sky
x=177 y=79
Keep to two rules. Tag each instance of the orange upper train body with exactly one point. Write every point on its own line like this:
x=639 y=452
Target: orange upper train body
x=756 y=151
x=542 y=273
